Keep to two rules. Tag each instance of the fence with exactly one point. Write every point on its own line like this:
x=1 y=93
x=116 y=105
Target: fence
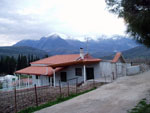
x=16 y=100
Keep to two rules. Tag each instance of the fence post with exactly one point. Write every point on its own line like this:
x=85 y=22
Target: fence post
x=76 y=85
x=36 y=99
x=60 y=88
x=68 y=87
x=15 y=100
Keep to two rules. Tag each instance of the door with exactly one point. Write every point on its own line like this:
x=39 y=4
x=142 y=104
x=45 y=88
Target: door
x=63 y=76
x=89 y=73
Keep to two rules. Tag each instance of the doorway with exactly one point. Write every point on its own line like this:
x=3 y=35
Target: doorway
x=89 y=73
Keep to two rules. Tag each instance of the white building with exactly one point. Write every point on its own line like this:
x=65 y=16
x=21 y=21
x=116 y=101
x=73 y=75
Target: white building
x=8 y=80
x=51 y=70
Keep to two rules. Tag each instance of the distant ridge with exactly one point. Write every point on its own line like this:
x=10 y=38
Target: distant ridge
x=56 y=44
x=140 y=52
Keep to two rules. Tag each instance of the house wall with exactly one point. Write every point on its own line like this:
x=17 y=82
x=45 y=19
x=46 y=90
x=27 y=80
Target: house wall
x=36 y=81
x=44 y=80
x=105 y=69
x=71 y=73
x=101 y=69
x=114 y=70
x=41 y=81
x=120 y=69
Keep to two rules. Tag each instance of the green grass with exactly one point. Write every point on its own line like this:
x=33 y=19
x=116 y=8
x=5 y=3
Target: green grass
x=141 y=107
x=48 y=104
x=1 y=86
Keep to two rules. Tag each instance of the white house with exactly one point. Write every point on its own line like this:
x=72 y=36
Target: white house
x=51 y=70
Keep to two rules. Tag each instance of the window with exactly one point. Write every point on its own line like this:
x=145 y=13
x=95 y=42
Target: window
x=37 y=77
x=63 y=76
x=78 y=71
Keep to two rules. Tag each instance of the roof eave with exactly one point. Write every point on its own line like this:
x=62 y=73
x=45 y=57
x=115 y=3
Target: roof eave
x=74 y=63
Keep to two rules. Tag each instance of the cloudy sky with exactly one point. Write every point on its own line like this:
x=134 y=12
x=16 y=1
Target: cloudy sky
x=32 y=19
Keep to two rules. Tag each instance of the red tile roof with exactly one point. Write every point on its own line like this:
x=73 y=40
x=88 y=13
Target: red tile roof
x=58 y=62
x=37 y=70
x=57 y=59
x=87 y=59
x=117 y=57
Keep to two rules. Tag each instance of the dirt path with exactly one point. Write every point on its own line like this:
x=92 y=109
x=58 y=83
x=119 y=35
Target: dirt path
x=116 y=97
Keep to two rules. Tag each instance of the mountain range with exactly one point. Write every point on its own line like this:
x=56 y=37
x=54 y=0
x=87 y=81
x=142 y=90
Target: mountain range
x=55 y=44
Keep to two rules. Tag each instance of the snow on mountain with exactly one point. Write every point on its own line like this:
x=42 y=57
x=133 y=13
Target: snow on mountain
x=56 y=35
x=56 y=43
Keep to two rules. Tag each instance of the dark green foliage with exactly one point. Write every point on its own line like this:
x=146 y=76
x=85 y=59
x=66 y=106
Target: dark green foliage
x=9 y=64
x=141 y=107
x=136 y=14
x=15 y=51
x=46 y=56
x=1 y=85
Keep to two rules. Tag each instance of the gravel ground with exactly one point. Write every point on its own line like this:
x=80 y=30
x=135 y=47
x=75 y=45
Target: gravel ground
x=117 y=97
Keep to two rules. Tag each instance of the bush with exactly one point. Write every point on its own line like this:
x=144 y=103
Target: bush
x=141 y=107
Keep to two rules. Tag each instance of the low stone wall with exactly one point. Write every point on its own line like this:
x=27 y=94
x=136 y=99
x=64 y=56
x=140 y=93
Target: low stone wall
x=16 y=100
x=133 y=70
x=144 y=67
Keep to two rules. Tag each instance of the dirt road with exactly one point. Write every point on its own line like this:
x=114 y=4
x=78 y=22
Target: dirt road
x=116 y=97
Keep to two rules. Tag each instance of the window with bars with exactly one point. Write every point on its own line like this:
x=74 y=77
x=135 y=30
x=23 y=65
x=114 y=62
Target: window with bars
x=78 y=71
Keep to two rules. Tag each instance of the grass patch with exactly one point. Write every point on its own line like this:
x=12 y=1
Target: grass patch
x=141 y=107
x=25 y=76
x=57 y=101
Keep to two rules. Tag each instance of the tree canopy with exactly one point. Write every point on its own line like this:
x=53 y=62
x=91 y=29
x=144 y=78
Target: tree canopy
x=136 y=14
x=9 y=64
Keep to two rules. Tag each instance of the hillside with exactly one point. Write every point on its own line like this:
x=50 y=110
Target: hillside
x=55 y=44
x=137 y=52
x=141 y=52
x=15 y=51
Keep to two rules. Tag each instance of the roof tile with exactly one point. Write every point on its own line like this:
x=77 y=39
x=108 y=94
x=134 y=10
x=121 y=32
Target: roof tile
x=116 y=58
x=37 y=70
x=57 y=59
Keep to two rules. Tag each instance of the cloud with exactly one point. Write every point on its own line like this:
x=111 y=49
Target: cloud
x=32 y=19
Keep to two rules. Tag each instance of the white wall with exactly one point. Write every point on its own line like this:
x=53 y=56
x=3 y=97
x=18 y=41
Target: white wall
x=121 y=69
x=101 y=69
x=105 y=69
x=36 y=81
x=42 y=80
x=133 y=70
x=71 y=73
x=108 y=69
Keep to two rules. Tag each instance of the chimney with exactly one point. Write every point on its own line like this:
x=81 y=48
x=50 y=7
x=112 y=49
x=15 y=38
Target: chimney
x=81 y=53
